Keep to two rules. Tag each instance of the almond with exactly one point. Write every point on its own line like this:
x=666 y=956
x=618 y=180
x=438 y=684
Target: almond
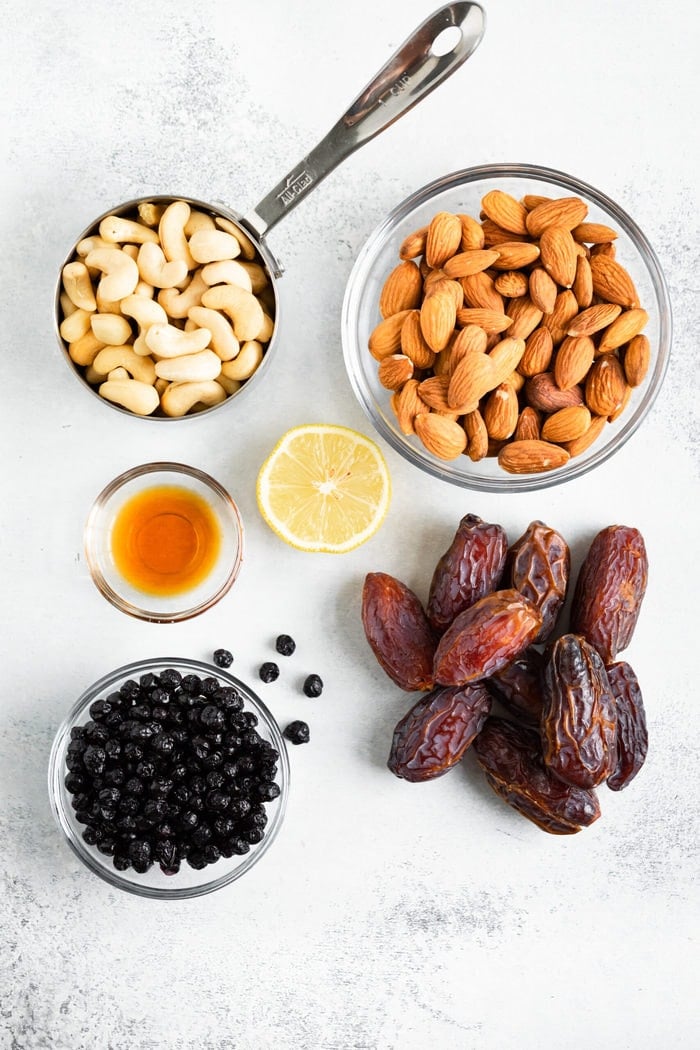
x=473 y=377
x=402 y=289
x=464 y=264
x=477 y=436
x=622 y=405
x=495 y=235
x=612 y=282
x=583 y=283
x=448 y=287
x=505 y=211
x=524 y=315
x=538 y=353
x=636 y=360
x=543 y=290
x=414 y=244
x=394 y=370
x=443 y=239
x=594 y=319
x=407 y=404
x=566 y=212
x=565 y=309
x=469 y=340
x=512 y=284
x=386 y=337
x=500 y=412
x=528 y=425
x=514 y=255
x=608 y=249
x=626 y=327
x=472 y=234
x=505 y=358
x=433 y=391
x=567 y=424
x=531 y=457
x=442 y=437
x=413 y=344
x=516 y=380
x=489 y=320
x=593 y=233
x=480 y=291
x=533 y=200
x=558 y=254
x=542 y=393
x=605 y=386
x=580 y=444
x=437 y=319
x=573 y=361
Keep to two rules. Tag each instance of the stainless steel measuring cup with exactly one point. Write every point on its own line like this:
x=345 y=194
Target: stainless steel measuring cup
x=438 y=47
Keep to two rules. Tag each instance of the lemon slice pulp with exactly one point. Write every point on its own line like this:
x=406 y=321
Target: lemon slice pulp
x=324 y=488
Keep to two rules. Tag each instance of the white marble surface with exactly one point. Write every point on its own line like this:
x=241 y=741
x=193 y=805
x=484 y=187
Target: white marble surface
x=387 y=915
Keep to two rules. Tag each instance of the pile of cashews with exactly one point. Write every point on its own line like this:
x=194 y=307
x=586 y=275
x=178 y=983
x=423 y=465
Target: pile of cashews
x=168 y=311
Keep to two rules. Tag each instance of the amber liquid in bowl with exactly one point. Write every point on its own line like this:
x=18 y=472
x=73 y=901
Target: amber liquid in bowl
x=165 y=540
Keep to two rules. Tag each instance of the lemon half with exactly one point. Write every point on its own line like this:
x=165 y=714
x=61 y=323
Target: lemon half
x=324 y=488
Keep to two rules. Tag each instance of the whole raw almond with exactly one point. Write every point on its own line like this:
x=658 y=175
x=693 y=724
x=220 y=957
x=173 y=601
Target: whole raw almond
x=477 y=436
x=542 y=393
x=617 y=412
x=573 y=361
x=565 y=309
x=621 y=331
x=543 y=290
x=636 y=360
x=438 y=315
x=407 y=405
x=464 y=264
x=386 y=337
x=612 y=282
x=500 y=412
x=472 y=233
x=512 y=284
x=505 y=357
x=514 y=255
x=505 y=211
x=495 y=234
x=558 y=253
x=433 y=391
x=525 y=316
x=593 y=233
x=444 y=238
x=608 y=249
x=414 y=244
x=531 y=457
x=566 y=212
x=533 y=200
x=394 y=370
x=567 y=424
x=468 y=340
x=516 y=380
x=538 y=352
x=606 y=385
x=413 y=344
x=445 y=285
x=594 y=319
x=528 y=425
x=480 y=292
x=472 y=377
x=442 y=437
x=583 y=283
x=580 y=444
x=491 y=321
x=402 y=289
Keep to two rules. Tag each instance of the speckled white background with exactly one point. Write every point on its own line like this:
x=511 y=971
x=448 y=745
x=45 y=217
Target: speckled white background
x=386 y=916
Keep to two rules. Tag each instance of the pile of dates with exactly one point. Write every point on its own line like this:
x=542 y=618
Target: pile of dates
x=491 y=632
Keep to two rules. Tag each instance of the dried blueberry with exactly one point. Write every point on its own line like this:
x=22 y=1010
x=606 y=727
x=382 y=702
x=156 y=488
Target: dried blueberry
x=212 y=717
x=269 y=672
x=297 y=732
x=223 y=658
x=285 y=645
x=94 y=759
x=313 y=685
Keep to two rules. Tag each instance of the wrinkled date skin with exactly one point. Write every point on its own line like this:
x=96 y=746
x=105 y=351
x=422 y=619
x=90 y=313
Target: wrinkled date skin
x=609 y=590
x=511 y=757
x=398 y=631
x=540 y=563
x=632 y=738
x=470 y=568
x=485 y=637
x=579 y=724
x=519 y=686
x=433 y=736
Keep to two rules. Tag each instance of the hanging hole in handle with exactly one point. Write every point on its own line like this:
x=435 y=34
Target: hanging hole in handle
x=446 y=41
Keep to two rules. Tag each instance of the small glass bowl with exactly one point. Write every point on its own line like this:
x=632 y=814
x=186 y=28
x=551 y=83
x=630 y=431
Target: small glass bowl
x=462 y=191
x=188 y=882
x=98 y=546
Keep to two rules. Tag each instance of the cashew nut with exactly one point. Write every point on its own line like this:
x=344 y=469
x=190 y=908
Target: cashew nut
x=227 y=272
x=177 y=303
x=76 y=325
x=111 y=357
x=112 y=329
x=268 y=327
x=145 y=312
x=132 y=250
x=89 y=244
x=156 y=270
x=141 y=398
x=84 y=350
x=171 y=230
x=198 y=220
x=223 y=341
x=165 y=340
x=117 y=373
x=78 y=286
x=257 y=274
x=150 y=213
x=67 y=305
x=145 y=290
x=179 y=398
x=229 y=385
x=209 y=246
x=121 y=274
x=246 y=363
x=248 y=250
x=190 y=368
x=242 y=307
x=93 y=377
x=106 y=306
x=115 y=230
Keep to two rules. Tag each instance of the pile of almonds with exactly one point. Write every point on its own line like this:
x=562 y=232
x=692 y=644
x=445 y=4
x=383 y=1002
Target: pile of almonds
x=518 y=335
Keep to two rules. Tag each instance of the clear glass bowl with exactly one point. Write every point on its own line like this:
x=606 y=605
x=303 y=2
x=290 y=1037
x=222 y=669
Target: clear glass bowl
x=462 y=191
x=98 y=543
x=188 y=882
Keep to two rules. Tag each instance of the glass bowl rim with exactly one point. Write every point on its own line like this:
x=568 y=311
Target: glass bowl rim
x=177 y=469
x=56 y=773
x=361 y=272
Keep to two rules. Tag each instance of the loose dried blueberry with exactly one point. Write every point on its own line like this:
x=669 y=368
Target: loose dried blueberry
x=269 y=672
x=313 y=685
x=285 y=645
x=297 y=732
x=223 y=658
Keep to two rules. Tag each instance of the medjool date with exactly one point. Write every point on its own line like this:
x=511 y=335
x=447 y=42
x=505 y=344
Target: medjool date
x=398 y=631
x=632 y=737
x=470 y=568
x=539 y=563
x=519 y=686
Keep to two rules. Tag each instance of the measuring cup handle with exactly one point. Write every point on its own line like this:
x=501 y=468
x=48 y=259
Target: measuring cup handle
x=409 y=75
